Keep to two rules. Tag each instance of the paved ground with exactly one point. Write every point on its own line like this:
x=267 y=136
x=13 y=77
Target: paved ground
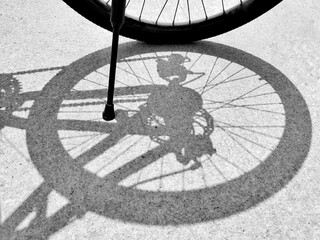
x=247 y=168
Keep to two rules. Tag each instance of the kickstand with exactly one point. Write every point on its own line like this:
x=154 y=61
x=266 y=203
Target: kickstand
x=117 y=20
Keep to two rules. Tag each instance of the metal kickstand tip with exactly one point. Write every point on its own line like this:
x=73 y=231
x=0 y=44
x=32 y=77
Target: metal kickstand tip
x=108 y=113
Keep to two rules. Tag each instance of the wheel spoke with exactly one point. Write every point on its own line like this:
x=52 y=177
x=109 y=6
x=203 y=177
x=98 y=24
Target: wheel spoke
x=161 y=11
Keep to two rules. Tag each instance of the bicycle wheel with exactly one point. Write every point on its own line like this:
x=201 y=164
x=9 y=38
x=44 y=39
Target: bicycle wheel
x=175 y=21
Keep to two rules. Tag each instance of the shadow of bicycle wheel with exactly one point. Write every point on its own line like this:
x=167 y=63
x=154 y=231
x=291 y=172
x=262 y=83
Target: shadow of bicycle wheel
x=203 y=131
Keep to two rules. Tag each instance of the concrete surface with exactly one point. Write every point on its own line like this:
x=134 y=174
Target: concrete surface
x=236 y=157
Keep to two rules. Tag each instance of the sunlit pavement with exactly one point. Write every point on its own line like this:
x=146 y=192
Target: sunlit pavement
x=234 y=157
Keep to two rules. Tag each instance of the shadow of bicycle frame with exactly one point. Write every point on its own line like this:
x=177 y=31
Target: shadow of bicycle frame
x=87 y=192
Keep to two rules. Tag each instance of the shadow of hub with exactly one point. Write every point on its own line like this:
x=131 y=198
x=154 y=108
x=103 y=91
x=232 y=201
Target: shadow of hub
x=170 y=111
x=243 y=124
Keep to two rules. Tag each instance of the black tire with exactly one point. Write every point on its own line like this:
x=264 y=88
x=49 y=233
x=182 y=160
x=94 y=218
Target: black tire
x=227 y=20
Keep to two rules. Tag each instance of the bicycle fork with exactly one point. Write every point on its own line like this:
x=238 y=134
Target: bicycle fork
x=117 y=20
